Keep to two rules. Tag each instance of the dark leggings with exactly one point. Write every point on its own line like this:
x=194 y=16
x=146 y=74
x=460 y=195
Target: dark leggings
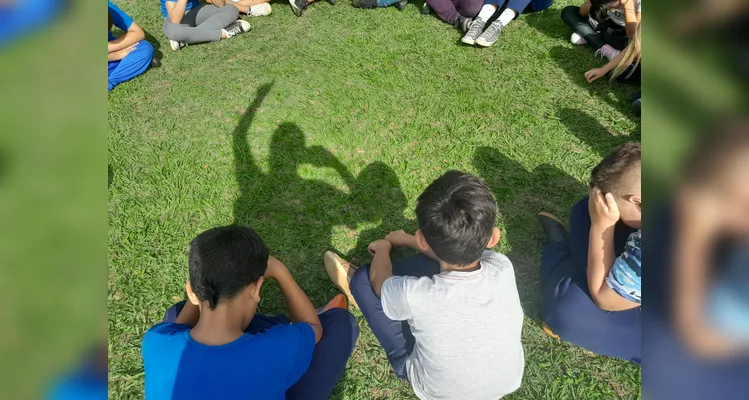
x=606 y=32
x=329 y=358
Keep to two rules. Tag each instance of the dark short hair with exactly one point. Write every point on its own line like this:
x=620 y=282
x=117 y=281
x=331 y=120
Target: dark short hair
x=225 y=260
x=608 y=174
x=456 y=214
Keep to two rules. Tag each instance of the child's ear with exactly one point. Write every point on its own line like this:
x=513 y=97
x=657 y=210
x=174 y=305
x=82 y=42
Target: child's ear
x=421 y=241
x=190 y=294
x=255 y=291
x=494 y=239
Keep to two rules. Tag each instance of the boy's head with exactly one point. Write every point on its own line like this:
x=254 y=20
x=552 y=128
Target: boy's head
x=456 y=216
x=227 y=263
x=619 y=174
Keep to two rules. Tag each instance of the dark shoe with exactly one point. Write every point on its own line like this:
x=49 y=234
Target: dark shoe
x=463 y=24
x=553 y=228
x=155 y=63
x=298 y=6
x=237 y=27
x=401 y=5
x=364 y=3
x=425 y=8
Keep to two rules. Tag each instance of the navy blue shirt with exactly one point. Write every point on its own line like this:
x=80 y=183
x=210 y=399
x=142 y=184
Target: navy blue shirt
x=258 y=366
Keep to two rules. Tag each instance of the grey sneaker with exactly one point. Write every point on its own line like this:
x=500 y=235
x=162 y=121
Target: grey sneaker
x=425 y=8
x=237 y=27
x=463 y=24
x=490 y=35
x=474 y=30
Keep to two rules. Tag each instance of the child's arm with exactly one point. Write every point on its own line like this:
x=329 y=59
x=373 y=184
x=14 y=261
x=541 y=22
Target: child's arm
x=133 y=35
x=596 y=73
x=631 y=17
x=585 y=9
x=403 y=239
x=604 y=214
x=176 y=10
x=381 y=267
x=189 y=315
x=300 y=308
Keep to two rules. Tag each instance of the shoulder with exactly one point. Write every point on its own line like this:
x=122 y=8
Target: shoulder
x=165 y=332
x=497 y=263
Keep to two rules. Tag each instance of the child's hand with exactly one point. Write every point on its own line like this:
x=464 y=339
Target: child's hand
x=594 y=74
x=603 y=210
x=275 y=267
x=380 y=246
x=400 y=238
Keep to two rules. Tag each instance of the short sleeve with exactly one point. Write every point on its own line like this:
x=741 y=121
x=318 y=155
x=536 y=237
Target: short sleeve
x=119 y=18
x=394 y=297
x=625 y=277
x=298 y=341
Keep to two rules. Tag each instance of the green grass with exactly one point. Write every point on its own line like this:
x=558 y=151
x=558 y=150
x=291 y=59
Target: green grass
x=320 y=132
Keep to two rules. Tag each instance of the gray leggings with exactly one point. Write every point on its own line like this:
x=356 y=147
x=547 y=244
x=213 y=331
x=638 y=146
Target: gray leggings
x=201 y=24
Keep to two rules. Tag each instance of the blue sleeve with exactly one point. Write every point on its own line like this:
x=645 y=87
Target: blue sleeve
x=625 y=277
x=298 y=341
x=119 y=18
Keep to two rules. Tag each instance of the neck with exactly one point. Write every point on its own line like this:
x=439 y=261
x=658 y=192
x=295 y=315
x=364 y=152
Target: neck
x=224 y=324
x=445 y=267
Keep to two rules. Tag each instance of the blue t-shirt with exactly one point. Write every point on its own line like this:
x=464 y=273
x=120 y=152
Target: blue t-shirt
x=119 y=19
x=190 y=5
x=625 y=277
x=258 y=366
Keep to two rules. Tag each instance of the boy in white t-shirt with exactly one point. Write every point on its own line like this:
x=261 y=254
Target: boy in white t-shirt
x=449 y=319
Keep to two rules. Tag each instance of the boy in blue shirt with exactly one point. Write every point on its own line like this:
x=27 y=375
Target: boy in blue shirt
x=214 y=346
x=130 y=54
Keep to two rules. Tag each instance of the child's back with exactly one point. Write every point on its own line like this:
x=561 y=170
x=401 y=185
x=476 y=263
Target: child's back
x=467 y=327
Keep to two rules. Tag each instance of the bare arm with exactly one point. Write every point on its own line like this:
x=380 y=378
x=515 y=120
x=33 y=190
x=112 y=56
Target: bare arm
x=133 y=35
x=631 y=18
x=189 y=315
x=596 y=73
x=176 y=10
x=300 y=308
x=381 y=267
x=403 y=239
x=604 y=214
x=585 y=9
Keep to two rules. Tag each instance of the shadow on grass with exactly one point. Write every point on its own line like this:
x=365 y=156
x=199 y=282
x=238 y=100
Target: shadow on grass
x=157 y=54
x=520 y=195
x=590 y=131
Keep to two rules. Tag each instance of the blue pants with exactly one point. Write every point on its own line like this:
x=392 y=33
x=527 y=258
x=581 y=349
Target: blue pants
x=566 y=304
x=329 y=358
x=394 y=336
x=131 y=66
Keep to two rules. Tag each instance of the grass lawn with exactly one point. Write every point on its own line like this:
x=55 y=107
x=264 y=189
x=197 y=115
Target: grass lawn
x=320 y=132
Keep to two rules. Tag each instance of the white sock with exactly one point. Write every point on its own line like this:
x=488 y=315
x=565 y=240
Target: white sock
x=487 y=11
x=227 y=33
x=507 y=16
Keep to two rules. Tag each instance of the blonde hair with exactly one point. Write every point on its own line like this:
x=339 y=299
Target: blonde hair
x=632 y=55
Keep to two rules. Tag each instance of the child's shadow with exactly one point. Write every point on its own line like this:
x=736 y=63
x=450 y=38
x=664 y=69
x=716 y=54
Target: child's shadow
x=521 y=195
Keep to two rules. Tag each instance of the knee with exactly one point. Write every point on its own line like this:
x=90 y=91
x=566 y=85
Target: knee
x=145 y=49
x=339 y=321
x=570 y=13
x=468 y=8
x=360 y=282
x=230 y=11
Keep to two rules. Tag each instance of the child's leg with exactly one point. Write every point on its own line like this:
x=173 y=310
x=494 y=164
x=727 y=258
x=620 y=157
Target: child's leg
x=445 y=9
x=394 y=336
x=187 y=32
x=211 y=18
x=242 y=5
x=571 y=16
x=131 y=66
x=616 y=38
x=329 y=358
x=469 y=8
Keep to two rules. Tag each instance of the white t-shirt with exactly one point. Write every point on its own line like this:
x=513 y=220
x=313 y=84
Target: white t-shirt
x=467 y=327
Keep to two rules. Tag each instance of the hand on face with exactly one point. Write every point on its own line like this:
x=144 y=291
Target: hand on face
x=603 y=209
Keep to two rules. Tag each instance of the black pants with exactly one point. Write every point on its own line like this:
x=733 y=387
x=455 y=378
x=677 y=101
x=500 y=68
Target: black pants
x=605 y=33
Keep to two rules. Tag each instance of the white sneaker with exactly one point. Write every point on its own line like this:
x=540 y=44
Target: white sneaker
x=577 y=39
x=259 y=10
x=175 y=45
x=237 y=27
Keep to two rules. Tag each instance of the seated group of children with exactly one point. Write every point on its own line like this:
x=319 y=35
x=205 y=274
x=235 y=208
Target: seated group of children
x=612 y=27
x=449 y=318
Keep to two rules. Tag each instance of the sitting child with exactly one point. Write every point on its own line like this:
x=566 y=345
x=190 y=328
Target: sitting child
x=130 y=54
x=189 y=21
x=625 y=66
x=512 y=8
x=597 y=268
x=215 y=346
x=606 y=25
x=449 y=319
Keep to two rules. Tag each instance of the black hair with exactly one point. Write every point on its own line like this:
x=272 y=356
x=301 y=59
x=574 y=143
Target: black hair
x=607 y=175
x=599 y=9
x=225 y=260
x=456 y=214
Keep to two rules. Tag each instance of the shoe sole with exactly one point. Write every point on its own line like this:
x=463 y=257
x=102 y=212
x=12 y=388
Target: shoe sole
x=484 y=43
x=551 y=216
x=468 y=41
x=338 y=274
x=297 y=11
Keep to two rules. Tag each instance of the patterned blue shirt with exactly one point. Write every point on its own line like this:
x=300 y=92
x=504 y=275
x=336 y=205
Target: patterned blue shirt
x=625 y=276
